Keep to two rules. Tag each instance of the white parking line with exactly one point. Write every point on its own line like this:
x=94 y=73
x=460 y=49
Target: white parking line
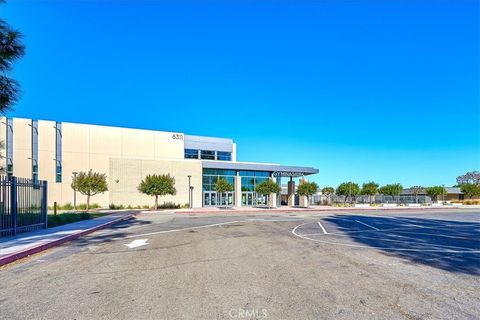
x=323 y=229
x=367 y=225
x=176 y=230
x=464 y=250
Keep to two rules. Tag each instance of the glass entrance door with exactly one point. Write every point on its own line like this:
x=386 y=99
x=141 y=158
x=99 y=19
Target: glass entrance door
x=209 y=198
x=248 y=199
x=213 y=199
x=225 y=198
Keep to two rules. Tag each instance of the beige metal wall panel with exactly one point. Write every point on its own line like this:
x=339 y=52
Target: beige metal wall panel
x=105 y=140
x=126 y=174
x=46 y=160
x=169 y=145
x=22 y=148
x=75 y=138
x=138 y=144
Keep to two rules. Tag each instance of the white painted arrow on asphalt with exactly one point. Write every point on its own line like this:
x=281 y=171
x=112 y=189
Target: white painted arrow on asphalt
x=137 y=243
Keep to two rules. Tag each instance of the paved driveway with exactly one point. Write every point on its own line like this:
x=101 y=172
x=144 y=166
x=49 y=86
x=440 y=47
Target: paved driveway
x=400 y=265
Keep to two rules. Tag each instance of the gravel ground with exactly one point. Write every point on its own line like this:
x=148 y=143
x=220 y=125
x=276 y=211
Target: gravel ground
x=254 y=267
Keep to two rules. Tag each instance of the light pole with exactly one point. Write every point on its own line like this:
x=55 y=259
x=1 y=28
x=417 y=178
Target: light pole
x=350 y=192
x=443 y=193
x=191 y=197
x=74 y=190
x=189 y=193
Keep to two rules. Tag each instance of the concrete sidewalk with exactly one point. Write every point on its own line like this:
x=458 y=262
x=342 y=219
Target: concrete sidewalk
x=25 y=244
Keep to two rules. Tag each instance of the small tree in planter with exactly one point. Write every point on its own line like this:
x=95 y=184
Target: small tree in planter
x=307 y=189
x=369 y=189
x=266 y=188
x=89 y=184
x=158 y=185
x=222 y=186
x=416 y=190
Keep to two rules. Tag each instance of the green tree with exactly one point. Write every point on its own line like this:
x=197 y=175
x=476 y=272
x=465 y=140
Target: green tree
x=436 y=191
x=369 y=189
x=307 y=189
x=11 y=49
x=472 y=177
x=89 y=184
x=416 y=190
x=348 y=189
x=328 y=191
x=222 y=186
x=393 y=190
x=470 y=190
x=266 y=188
x=158 y=185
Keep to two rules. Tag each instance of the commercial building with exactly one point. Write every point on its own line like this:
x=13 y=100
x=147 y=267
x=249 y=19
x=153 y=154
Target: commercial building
x=453 y=193
x=55 y=151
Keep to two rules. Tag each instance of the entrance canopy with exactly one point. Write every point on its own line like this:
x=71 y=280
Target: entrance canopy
x=276 y=169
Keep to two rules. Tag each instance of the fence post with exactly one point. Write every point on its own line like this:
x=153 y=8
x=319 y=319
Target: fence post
x=44 y=203
x=13 y=203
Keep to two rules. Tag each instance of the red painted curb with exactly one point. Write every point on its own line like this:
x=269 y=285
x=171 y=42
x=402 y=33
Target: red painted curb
x=27 y=252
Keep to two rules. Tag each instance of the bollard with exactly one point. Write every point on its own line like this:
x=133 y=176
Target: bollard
x=55 y=208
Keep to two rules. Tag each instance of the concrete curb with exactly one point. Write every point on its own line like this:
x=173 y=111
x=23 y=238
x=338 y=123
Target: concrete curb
x=295 y=210
x=36 y=249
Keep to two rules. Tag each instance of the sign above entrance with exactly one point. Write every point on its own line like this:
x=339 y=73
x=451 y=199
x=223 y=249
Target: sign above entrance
x=287 y=174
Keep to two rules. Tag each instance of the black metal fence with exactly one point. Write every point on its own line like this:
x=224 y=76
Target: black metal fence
x=23 y=205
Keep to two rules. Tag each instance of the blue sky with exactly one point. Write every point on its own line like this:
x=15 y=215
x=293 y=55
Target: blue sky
x=363 y=90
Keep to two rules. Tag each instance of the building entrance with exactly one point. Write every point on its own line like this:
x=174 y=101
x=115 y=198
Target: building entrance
x=248 y=199
x=215 y=199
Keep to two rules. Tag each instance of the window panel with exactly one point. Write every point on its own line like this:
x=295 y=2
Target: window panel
x=191 y=154
x=207 y=155
x=58 y=152
x=224 y=156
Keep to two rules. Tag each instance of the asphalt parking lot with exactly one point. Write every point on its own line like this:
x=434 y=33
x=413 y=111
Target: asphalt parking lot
x=369 y=265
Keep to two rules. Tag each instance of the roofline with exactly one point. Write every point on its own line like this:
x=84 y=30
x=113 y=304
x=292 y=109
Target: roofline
x=281 y=170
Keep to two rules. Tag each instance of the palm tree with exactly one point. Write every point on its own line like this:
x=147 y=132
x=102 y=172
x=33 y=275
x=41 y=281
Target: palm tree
x=11 y=49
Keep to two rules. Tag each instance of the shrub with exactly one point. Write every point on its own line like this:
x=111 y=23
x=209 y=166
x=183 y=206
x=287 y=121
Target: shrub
x=116 y=207
x=83 y=206
x=471 y=202
x=169 y=205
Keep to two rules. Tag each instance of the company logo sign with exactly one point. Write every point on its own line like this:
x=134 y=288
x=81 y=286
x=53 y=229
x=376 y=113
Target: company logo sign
x=287 y=174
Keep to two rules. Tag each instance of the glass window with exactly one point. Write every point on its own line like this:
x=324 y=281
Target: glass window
x=9 y=148
x=58 y=175
x=254 y=173
x=207 y=155
x=191 y=154
x=34 y=157
x=224 y=156
x=58 y=152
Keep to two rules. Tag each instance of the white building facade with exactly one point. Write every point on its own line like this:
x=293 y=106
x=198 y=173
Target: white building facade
x=55 y=151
